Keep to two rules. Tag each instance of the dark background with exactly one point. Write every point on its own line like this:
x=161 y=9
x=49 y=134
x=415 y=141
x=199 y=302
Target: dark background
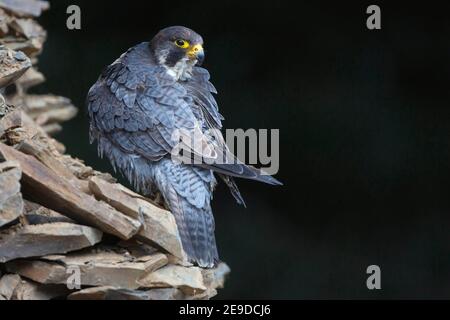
x=364 y=125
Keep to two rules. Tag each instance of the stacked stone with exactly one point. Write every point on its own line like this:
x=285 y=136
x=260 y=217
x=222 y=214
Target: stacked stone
x=67 y=230
x=19 y=31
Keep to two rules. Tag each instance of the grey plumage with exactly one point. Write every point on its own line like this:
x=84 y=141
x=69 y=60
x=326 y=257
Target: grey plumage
x=135 y=107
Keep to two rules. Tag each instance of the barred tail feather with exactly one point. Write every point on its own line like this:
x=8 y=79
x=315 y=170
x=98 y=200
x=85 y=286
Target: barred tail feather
x=196 y=228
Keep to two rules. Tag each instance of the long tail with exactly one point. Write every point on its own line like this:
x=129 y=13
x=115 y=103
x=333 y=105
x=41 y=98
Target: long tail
x=196 y=228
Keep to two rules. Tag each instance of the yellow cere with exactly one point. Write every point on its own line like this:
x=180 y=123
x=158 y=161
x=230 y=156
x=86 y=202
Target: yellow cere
x=196 y=49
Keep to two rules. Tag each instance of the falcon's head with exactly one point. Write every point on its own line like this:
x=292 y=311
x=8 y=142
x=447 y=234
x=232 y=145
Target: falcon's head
x=178 y=49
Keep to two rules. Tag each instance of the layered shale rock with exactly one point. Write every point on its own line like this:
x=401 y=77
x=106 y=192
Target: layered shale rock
x=68 y=231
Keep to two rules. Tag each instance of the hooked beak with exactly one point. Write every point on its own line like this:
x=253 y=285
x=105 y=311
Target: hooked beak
x=197 y=53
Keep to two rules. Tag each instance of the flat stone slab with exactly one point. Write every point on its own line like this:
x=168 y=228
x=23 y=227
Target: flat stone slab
x=44 y=239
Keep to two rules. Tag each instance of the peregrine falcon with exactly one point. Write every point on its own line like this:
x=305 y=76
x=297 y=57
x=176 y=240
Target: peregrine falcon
x=153 y=90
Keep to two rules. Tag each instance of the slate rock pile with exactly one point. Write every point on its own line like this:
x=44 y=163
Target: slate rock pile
x=68 y=231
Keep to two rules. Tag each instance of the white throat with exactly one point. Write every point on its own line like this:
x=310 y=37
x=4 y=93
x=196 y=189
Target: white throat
x=182 y=70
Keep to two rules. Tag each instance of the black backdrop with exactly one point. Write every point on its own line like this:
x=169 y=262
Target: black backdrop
x=364 y=124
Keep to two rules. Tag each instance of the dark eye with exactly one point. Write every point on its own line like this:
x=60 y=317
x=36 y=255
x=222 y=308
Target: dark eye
x=182 y=43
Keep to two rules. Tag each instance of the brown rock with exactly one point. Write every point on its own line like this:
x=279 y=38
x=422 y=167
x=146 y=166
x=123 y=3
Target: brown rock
x=215 y=278
x=188 y=280
x=111 y=293
x=45 y=109
x=30 y=79
x=96 y=268
x=29 y=290
x=138 y=249
x=9 y=283
x=56 y=193
x=38 y=271
x=12 y=66
x=37 y=214
x=25 y=8
x=108 y=293
x=82 y=171
x=159 y=226
x=38 y=240
x=165 y=294
x=4 y=21
x=113 y=195
x=11 y=203
x=19 y=129
x=28 y=28
x=40 y=151
x=13 y=127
